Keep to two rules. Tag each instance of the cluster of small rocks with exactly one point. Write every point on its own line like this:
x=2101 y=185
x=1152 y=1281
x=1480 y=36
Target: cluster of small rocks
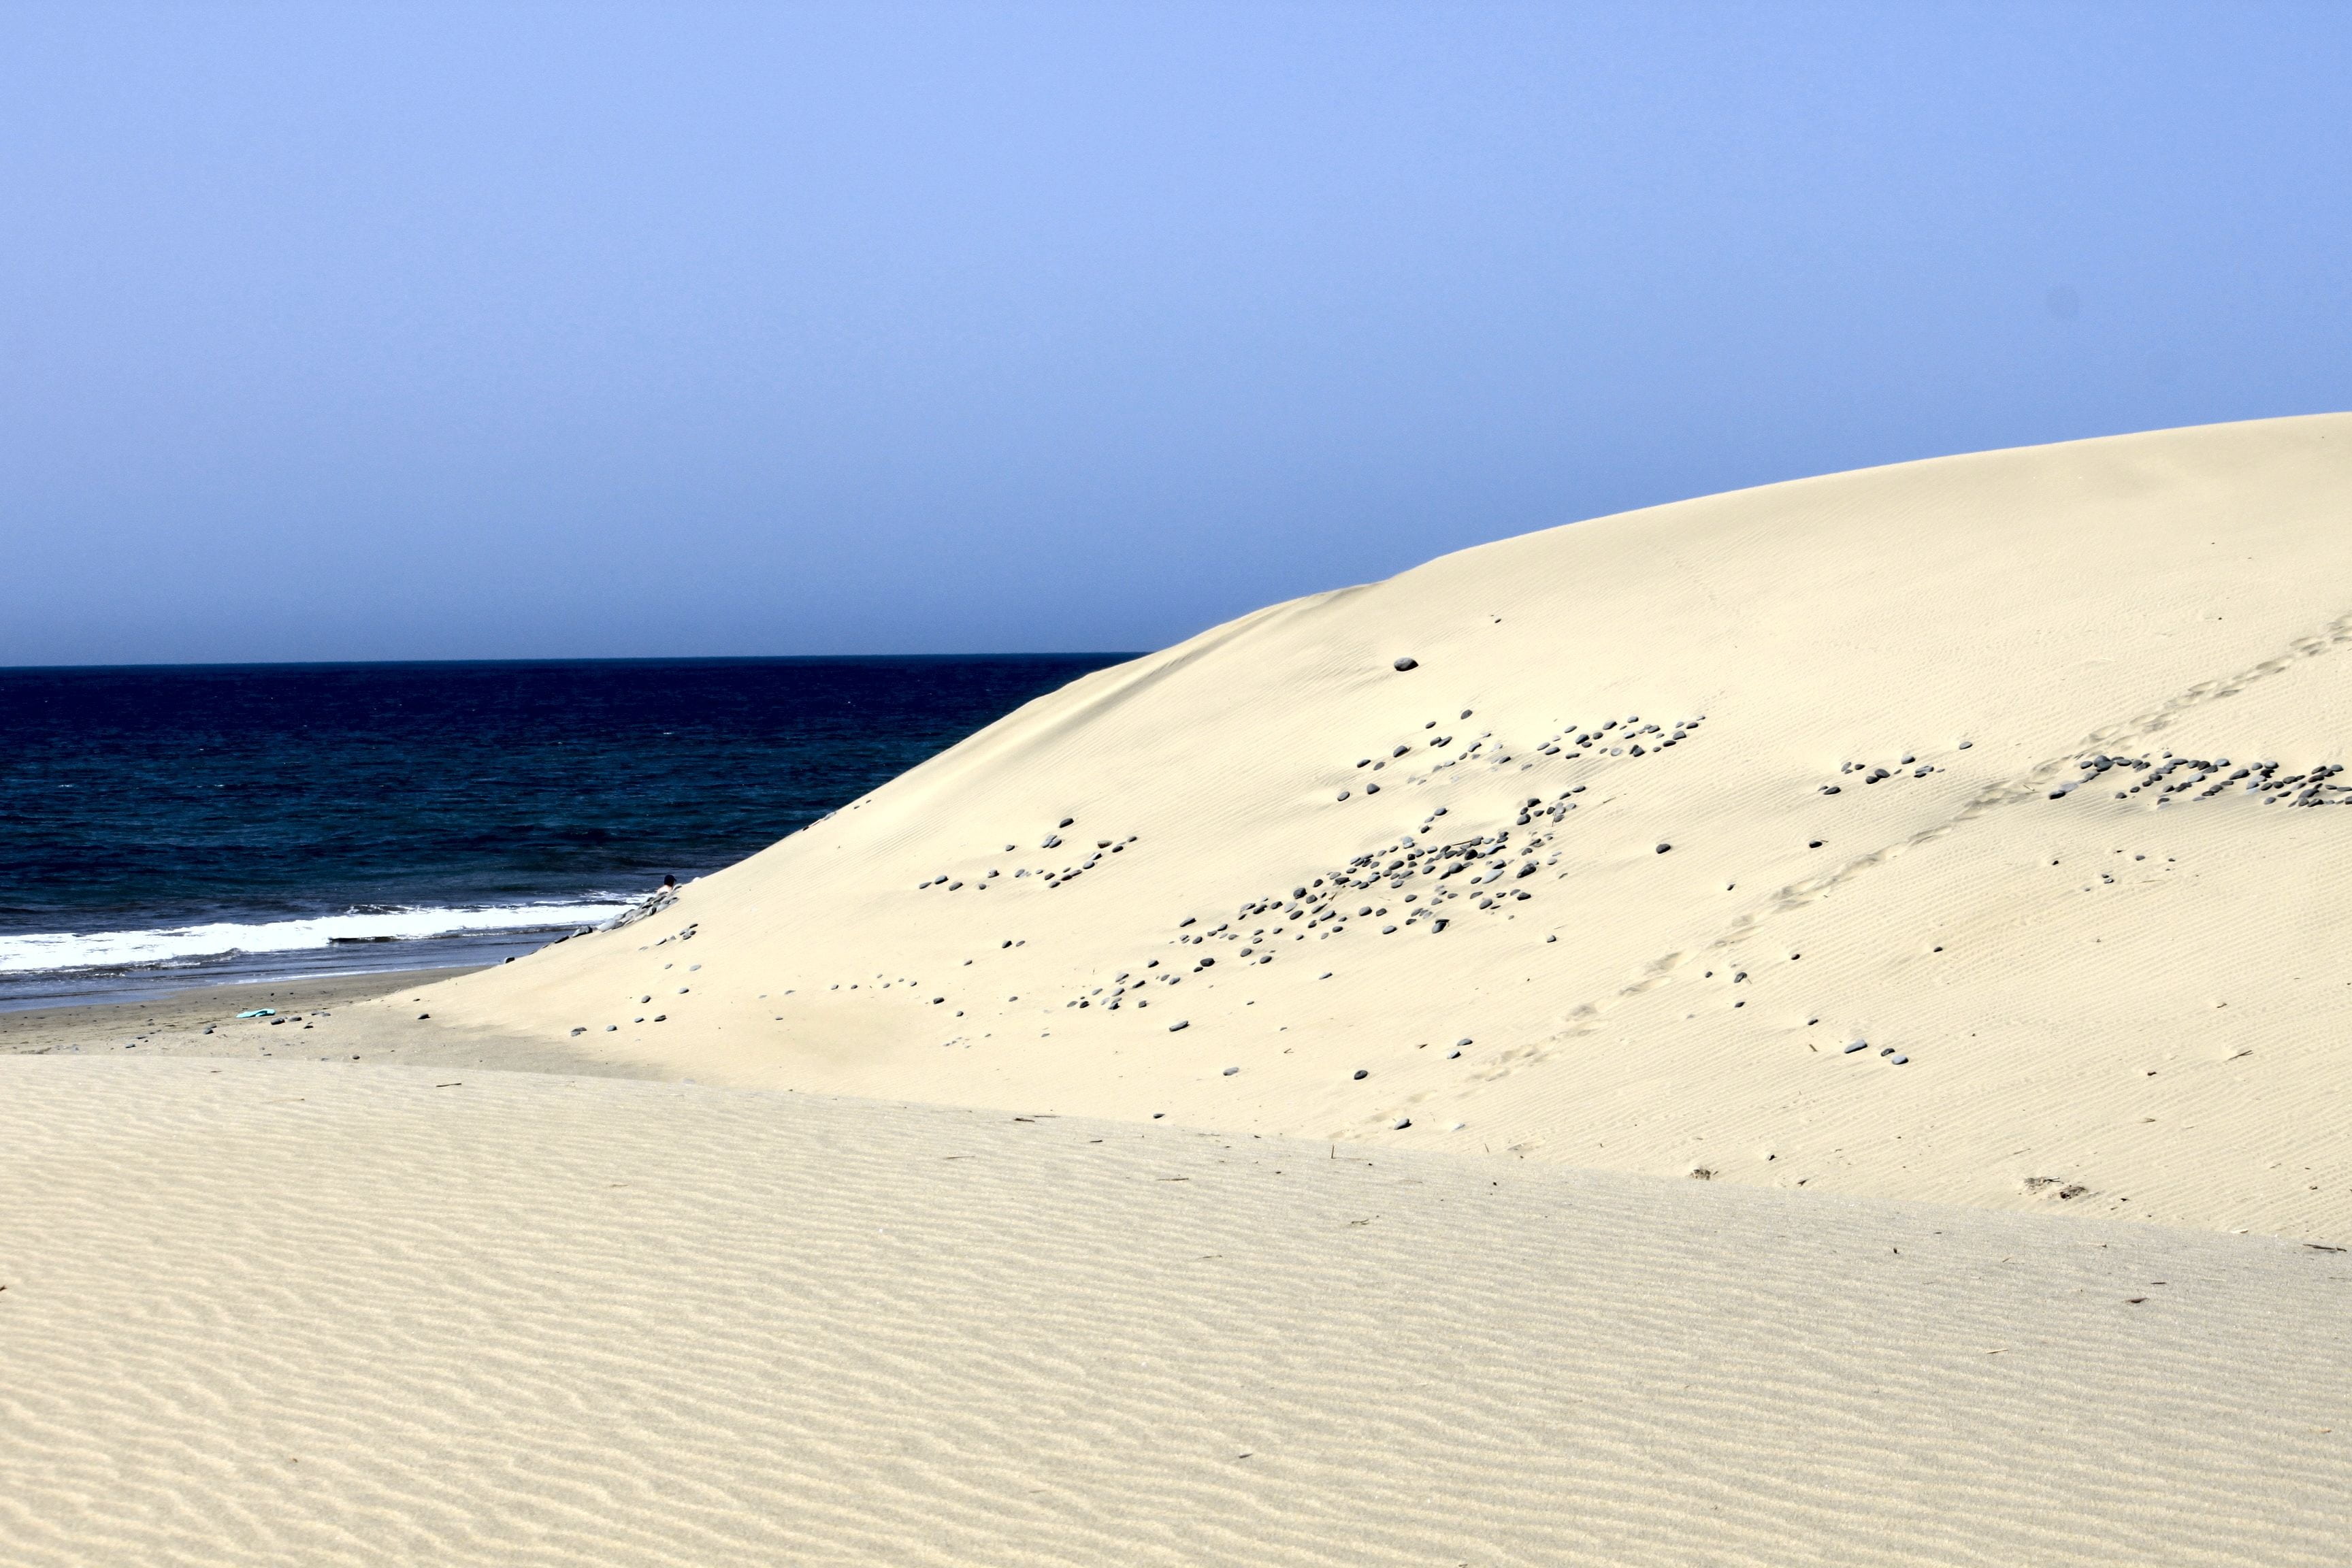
x=2168 y=778
x=1625 y=737
x=1907 y=765
x=1410 y=882
x=980 y=881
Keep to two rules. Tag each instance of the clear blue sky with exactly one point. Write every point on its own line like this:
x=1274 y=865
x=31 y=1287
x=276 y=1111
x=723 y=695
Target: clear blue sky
x=421 y=331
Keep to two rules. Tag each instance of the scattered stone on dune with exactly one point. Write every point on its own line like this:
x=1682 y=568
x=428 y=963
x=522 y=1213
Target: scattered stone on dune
x=1230 y=1071
x=1857 y=1046
x=1408 y=663
x=1403 y=1122
x=1180 y=1024
x=1362 y=1073
x=1897 y=1061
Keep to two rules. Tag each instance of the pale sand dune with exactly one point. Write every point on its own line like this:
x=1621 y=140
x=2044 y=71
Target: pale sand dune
x=307 y=1313
x=2140 y=1007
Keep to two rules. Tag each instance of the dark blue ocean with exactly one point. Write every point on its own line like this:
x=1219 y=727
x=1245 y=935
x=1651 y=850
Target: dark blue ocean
x=189 y=825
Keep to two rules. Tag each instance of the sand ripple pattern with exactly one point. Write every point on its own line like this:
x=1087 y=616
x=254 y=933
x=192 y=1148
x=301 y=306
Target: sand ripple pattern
x=278 y=1312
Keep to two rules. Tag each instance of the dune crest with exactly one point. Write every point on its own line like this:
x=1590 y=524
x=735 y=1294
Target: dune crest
x=1955 y=830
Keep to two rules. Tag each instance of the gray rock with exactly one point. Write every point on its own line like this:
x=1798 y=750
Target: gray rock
x=1408 y=664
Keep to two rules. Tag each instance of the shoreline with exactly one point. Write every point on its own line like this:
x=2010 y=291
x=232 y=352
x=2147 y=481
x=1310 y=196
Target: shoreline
x=313 y=1019
x=137 y=984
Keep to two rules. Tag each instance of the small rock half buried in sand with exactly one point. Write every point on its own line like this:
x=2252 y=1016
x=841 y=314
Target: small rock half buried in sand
x=1408 y=663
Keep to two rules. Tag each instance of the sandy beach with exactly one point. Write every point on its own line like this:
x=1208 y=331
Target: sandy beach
x=308 y=1019
x=305 y=1312
x=1797 y=1027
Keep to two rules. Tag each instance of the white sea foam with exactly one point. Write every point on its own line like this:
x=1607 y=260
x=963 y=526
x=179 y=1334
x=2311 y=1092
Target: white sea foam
x=170 y=946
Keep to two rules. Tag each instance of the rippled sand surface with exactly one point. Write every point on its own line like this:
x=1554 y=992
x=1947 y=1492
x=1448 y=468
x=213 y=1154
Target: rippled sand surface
x=314 y=1313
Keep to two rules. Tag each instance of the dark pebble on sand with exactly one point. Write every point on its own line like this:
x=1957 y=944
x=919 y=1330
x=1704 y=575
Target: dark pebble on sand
x=1408 y=663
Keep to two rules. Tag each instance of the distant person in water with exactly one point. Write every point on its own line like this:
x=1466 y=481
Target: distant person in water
x=668 y=882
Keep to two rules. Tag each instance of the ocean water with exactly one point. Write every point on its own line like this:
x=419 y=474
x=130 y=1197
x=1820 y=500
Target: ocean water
x=191 y=825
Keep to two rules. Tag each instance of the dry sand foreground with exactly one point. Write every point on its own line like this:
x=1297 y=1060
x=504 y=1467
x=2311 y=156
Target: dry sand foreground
x=312 y=1314
x=1303 y=1176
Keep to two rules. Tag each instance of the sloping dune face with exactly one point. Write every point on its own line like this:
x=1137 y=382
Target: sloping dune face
x=1971 y=829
